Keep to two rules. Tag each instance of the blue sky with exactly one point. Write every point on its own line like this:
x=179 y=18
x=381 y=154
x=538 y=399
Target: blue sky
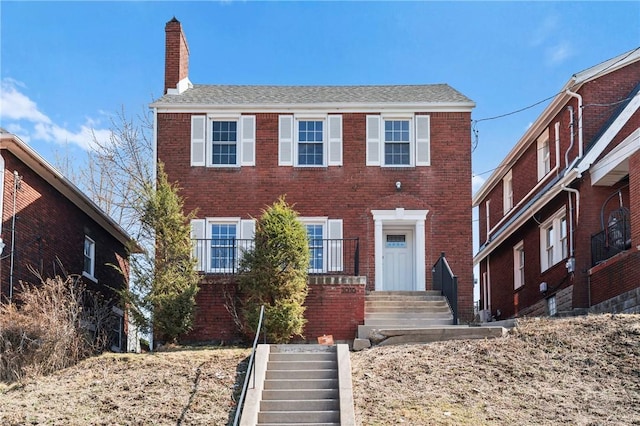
x=66 y=67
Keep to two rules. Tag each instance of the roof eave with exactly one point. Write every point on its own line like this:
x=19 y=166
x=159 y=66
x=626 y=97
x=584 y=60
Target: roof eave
x=331 y=106
x=56 y=179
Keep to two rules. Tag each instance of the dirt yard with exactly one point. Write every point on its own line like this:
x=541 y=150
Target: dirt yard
x=578 y=371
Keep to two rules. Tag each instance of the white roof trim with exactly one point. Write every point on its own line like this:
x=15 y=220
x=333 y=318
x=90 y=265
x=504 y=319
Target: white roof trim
x=337 y=107
x=610 y=133
x=53 y=177
x=615 y=165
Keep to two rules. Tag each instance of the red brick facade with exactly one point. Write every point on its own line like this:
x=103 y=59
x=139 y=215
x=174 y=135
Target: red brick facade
x=348 y=192
x=49 y=227
x=602 y=96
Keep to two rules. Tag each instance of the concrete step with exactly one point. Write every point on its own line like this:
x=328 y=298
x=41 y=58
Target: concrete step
x=302 y=365
x=365 y=330
x=409 y=323
x=288 y=417
x=382 y=298
x=301 y=374
x=407 y=315
x=404 y=293
x=300 y=405
x=299 y=394
x=406 y=305
x=436 y=334
x=286 y=384
x=301 y=424
x=302 y=356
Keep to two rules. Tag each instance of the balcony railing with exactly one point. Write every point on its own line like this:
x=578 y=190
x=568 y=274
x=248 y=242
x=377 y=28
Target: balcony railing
x=612 y=240
x=328 y=256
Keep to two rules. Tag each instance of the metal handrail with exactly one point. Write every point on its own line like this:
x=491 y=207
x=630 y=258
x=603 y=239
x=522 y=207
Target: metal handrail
x=245 y=386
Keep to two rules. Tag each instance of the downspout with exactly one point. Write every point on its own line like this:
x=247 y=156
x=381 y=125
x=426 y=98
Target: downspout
x=572 y=138
x=572 y=261
x=580 y=143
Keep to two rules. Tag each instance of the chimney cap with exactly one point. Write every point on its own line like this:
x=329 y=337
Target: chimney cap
x=173 y=20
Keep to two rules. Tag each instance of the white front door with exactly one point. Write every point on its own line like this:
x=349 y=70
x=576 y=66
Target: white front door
x=398 y=264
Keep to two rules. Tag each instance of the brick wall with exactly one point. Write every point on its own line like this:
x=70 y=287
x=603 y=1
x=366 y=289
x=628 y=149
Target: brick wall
x=349 y=192
x=615 y=276
x=49 y=227
x=335 y=306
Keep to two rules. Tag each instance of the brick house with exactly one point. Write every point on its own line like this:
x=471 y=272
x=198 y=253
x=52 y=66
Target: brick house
x=560 y=217
x=49 y=225
x=380 y=176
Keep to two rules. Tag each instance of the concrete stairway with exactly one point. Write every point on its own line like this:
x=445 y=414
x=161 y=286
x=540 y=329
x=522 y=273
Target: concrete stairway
x=413 y=317
x=302 y=385
x=404 y=310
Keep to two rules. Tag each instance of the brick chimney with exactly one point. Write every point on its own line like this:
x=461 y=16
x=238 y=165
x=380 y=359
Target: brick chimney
x=176 y=62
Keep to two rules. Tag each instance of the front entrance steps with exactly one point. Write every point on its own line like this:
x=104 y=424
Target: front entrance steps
x=300 y=385
x=398 y=317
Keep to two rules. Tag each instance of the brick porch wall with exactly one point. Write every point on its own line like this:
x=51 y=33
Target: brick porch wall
x=335 y=306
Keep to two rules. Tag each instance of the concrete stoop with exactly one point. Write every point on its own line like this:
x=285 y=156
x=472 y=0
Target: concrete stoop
x=393 y=318
x=300 y=385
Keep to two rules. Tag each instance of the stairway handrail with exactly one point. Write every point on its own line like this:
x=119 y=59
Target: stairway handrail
x=250 y=371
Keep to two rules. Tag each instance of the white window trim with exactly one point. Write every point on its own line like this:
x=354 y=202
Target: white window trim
x=544 y=163
x=90 y=274
x=507 y=192
x=204 y=226
x=202 y=144
x=412 y=139
x=552 y=223
x=375 y=139
x=297 y=118
x=518 y=266
x=324 y=221
x=209 y=139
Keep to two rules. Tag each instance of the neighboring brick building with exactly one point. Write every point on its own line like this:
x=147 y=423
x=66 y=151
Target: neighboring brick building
x=560 y=217
x=380 y=175
x=50 y=226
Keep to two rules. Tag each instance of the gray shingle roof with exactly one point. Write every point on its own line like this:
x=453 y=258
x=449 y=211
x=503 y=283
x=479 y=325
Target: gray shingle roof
x=287 y=95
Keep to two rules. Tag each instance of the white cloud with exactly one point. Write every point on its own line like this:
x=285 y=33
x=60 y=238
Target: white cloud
x=476 y=183
x=14 y=105
x=559 y=53
x=21 y=116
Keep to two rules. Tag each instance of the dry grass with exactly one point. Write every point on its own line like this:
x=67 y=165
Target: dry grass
x=579 y=371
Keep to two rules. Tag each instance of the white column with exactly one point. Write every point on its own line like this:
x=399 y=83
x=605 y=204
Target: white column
x=378 y=254
x=421 y=282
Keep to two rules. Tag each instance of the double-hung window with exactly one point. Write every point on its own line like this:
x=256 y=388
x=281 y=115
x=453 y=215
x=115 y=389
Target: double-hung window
x=310 y=140
x=219 y=243
x=518 y=265
x=224 y=150
x=553 y=240
x=543 y=154
x=326 y=246
x=223 y=140
x=507 y=190
x=88 y=268
x=397 y=144
x=398 y=140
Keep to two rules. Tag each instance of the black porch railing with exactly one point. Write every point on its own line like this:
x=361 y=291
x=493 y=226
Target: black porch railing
x=447 y=283
x=612 y=240
x=328 y=256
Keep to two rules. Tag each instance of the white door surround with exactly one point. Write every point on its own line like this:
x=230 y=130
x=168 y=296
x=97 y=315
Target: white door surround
x=400 y=218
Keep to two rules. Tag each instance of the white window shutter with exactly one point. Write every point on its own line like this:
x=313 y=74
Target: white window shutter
x=335 y=140
x=199 y=245
x=247 y=232
x=373 y=140
x=285 y=141
x=336 y=250
x=423 y=140
x=248 y=140
x=198 y=139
